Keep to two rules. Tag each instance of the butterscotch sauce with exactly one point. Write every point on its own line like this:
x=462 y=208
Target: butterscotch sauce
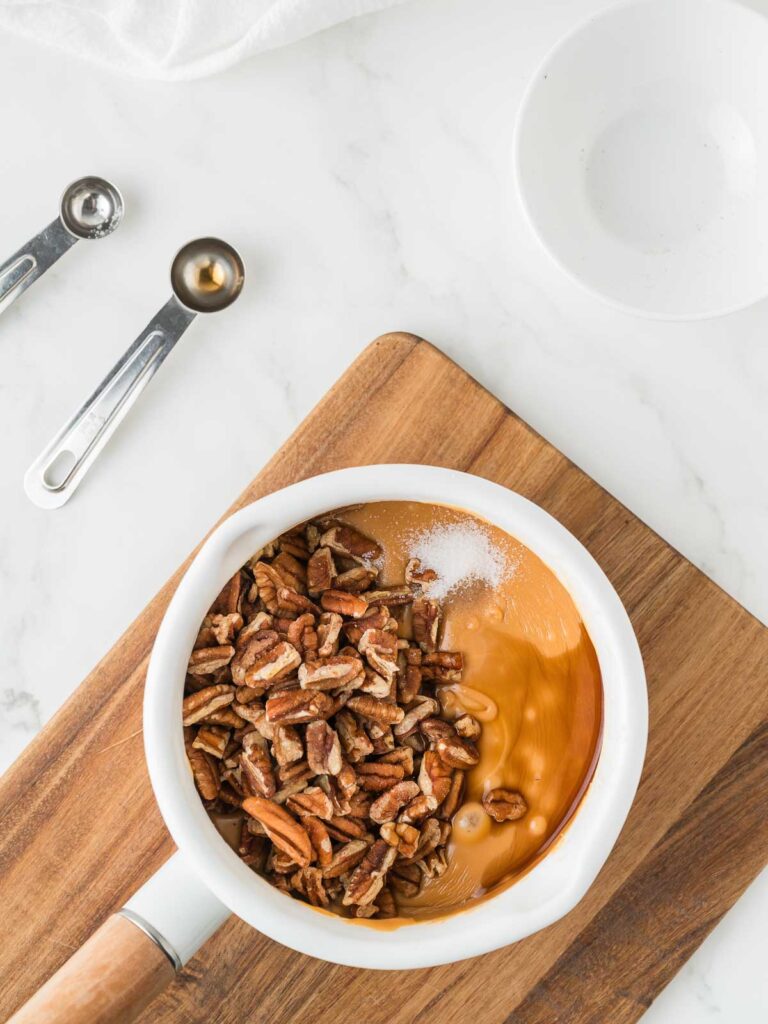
x=531 y=676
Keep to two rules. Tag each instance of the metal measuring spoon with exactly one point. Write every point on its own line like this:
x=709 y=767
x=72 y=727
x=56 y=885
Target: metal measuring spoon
x=90 y=208
x=206 y=276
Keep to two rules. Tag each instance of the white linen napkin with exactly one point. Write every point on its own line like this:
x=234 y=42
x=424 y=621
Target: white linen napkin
x=174 y=39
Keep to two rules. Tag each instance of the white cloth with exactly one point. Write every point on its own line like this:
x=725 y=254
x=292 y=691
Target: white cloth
x=174 y=39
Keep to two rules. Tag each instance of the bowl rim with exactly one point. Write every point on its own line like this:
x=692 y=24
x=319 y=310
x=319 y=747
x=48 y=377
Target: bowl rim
x=550 y=888
x=541 y=69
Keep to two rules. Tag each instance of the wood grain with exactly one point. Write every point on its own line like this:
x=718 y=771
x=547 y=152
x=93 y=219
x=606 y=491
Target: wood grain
x=81 y=831
x=109 y=980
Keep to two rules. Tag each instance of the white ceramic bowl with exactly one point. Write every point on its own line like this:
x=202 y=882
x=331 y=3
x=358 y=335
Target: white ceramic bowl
x=178 y=903
x=641 y=156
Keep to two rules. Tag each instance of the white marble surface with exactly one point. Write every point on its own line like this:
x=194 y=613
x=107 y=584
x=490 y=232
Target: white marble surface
x=365 y=175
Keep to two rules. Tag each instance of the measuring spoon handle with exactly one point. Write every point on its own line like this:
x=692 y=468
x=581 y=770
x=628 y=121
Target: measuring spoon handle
x=32 y=260
x=54 y=476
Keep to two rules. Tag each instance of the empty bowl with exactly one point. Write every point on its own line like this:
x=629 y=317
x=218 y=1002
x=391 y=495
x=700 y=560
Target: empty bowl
x=641 y=156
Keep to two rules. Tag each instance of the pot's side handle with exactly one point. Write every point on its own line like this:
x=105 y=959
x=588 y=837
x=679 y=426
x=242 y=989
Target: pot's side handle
x=133 y=956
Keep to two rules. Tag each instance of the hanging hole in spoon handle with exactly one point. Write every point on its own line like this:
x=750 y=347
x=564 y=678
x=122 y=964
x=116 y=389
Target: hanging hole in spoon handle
x=207 y=275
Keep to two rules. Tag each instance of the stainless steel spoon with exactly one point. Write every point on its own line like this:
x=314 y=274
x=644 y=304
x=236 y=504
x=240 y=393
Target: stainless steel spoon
x=90 y=208
x=206 y=275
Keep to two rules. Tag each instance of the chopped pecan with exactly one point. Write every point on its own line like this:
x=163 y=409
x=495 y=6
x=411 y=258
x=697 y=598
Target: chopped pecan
x=292 y=604
x=367 y=879
x=302 y=634
x=377 y=710
x=347 y=541
x=297 y=706
x=390 y=597
x=505 y=804
x=426 y=623
x=345 y=858
x=457 y=752
x=295 y=542
x=205 y=660
x=200 y=705
x=443 y=666
x=468 y=727
x=404 y=837
x=348 y=605
x=293 y=572
x=287 y=746
x=212 y=739
x=268 y=580
x=313 y=801
x=323 y=749
x=376 y=617
x=434 y=776
x=342 y=827
x=278 y=662
x=321 y=571
x=248 y=654
x=282 y=828
x=256 y=769
x=380 y=650
x=309 y=882
x=409 y=681
x=424 y=707
x=330 y=673
x=377 y=777
x=434 y=864
x=385 y=807
x=386 y=904
x=227 y=716
x=452 y=802
x=204 y=772
x=321 y=841
x=400 y=755
x=405 y=879
x=356 y=580
x=228 y=601
x=328 y=630
x=219 y=630
x=353 y=737
x=436 y=728
x=419 y=808
x=415 y=575
x=374 y=684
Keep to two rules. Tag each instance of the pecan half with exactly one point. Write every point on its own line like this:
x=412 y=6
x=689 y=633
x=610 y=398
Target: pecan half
x=282 y=828
x=505 y=804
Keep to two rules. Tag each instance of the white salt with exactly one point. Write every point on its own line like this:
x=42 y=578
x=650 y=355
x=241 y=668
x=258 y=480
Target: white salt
x=461 y=554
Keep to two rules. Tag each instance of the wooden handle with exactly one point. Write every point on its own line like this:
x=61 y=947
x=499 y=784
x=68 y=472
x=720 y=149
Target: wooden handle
x=109 y=980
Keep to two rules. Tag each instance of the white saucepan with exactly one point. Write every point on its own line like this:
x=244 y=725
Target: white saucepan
x=133 y=956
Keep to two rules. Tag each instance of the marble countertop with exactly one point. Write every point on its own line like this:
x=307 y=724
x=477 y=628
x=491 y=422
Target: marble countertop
x=365 y=175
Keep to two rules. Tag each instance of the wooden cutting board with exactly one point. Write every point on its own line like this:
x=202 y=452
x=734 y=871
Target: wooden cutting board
x=80 y=830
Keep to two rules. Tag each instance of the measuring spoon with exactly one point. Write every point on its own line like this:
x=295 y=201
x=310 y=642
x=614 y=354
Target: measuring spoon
x=206 y=276
x=90 y=208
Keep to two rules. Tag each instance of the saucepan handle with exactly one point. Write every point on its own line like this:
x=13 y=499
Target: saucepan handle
x=133 y=956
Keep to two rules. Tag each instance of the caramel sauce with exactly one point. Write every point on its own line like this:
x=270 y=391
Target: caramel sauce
x=531 y=676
